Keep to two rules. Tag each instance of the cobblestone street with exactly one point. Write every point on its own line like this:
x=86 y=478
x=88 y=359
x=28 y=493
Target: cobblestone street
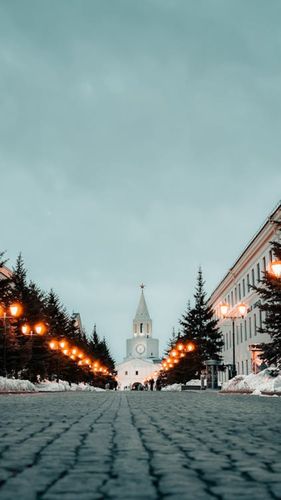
x=139 y=445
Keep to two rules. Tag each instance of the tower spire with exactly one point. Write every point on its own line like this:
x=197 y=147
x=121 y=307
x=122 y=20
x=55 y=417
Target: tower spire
x=142 y=313
x=142 y=324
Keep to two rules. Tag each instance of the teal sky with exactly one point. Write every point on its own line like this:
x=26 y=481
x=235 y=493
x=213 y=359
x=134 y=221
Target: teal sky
x=138 y=140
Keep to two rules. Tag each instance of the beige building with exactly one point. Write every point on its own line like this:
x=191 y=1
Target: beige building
x=234 y=289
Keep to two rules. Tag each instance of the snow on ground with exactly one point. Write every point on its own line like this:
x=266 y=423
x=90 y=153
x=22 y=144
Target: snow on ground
x=62 y=385
x=16 y=385
x=177 y=387
x=194 y=381
x=268 y=380
x=172 y=387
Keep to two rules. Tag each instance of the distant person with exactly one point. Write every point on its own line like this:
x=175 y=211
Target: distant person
x=115 y=385
x=151 y=383
x=158 y=385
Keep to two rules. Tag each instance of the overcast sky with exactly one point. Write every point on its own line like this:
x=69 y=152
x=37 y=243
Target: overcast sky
x=138 y=140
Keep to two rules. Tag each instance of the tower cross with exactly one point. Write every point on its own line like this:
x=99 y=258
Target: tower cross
x=142 y=286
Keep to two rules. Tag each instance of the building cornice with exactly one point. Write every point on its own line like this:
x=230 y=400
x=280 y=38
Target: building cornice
x=265 y=233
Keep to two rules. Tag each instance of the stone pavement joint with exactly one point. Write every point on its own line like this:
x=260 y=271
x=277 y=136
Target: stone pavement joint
x=139 y=445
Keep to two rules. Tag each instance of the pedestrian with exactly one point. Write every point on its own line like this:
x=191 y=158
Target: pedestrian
x=151 y=384
x=115 y=385
x=158 y=385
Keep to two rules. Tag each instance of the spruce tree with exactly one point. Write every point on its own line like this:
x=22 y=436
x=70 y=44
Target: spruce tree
x=198 y=326
x=8 y=341
x=269 y=291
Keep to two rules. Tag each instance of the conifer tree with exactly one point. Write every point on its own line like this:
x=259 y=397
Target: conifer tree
x=200 y=327
x=8 y=341
x=269 y=291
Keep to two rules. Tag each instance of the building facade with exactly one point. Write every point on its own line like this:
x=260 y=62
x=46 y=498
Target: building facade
x=234 y=289
x=142 y=350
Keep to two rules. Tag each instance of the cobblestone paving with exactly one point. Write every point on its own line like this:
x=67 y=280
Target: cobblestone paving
x=140 y=445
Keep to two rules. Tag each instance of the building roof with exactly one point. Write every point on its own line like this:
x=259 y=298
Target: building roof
x=142 y=313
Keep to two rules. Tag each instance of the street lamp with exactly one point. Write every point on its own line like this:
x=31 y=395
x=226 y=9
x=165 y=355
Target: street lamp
x=37 y=329
x=241 y=311
x=13 y=311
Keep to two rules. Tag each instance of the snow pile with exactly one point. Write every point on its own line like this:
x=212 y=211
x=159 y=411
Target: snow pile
x=62 y=385
x=16 y=385
x=194 y=381
x=173 y=387
x=268 y=380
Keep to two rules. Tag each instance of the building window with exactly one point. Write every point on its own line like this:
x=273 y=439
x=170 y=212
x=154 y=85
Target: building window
x=258 y=272
x=255 y=324
x=270 y=255
x=137 y=372
x=239 y=291
x=250 y=328
x=232 y=303
x=248 y=283
x=135 y=328
x=260 y=318
x=247 y=367
x=264 y=264
x=253 y=277
x=126 y=373
x=235 y=295
x=241 y=333
x=229 y=340
x=245 y=329
x=243 y=287
x=238 y=368
x=242 y=367
x=147 y=328
x=141 y=325
x=237 y=336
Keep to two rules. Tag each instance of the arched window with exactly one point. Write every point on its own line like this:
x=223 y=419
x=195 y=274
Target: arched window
x=141 y=325
x=147 y=327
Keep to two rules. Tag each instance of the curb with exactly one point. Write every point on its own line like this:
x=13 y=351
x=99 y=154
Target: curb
x=264 y=393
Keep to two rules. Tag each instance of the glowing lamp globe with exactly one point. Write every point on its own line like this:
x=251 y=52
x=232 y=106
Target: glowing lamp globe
x=39 y=328
x=242 y=308
x=190 y=347
x=15 y=309
x=25 y=329
x=276 y=268
x=224 y=309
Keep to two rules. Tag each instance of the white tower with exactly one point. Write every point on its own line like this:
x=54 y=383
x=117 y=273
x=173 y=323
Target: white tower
x=142 y=345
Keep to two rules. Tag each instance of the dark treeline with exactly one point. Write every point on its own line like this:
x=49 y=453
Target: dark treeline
x=30 y=357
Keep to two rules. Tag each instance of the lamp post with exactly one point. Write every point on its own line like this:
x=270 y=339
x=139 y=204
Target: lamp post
x=38 y=329
x=241 y=311
x=12 y=312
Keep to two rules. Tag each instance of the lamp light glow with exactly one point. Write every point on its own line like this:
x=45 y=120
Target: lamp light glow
x=224 y=308
x=275 y=268
x=242 y=308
